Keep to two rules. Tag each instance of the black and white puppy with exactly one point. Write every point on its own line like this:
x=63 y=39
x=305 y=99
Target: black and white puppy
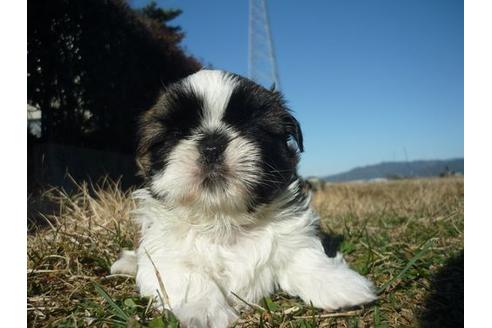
x=223 y=210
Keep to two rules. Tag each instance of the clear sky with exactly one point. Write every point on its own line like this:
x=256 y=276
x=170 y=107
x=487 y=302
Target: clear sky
x=369 y=81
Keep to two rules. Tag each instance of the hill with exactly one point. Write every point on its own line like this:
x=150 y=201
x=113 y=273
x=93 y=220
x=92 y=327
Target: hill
x=422 y=168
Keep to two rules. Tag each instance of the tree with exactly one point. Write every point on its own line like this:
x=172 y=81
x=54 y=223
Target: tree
x=95 y=65
x=160 y=15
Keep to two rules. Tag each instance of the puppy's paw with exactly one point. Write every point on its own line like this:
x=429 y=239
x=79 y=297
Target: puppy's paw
x=204 y=314
x=353 y=290
x=126 y=263
x=343 y=288
x=327 y=283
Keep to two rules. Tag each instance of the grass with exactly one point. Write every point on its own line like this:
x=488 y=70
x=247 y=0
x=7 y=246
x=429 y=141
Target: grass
x=407 y=236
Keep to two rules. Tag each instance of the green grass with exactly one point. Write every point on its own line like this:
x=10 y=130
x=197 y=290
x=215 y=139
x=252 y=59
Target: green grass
x=407 y=236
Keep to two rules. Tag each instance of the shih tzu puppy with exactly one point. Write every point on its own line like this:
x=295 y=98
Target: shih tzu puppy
x=223 y=210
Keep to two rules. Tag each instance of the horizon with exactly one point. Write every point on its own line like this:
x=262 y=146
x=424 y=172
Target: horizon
x=390 y=162
x=369 y=82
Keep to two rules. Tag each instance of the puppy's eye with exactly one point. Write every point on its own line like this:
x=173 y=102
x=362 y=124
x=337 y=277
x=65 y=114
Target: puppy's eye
x=291 y=143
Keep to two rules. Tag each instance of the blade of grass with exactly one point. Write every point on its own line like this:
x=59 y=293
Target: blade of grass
x=255 y=307
x=330 y=315
x=377 y=318
x=161 y=283
x=118 y=310
x=412 y=261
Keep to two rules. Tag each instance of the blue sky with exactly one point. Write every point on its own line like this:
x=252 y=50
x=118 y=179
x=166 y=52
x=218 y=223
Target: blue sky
x=370 y=81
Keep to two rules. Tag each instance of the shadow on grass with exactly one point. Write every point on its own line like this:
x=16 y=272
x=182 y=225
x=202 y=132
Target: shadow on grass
x=38 y=209
x=444 y=306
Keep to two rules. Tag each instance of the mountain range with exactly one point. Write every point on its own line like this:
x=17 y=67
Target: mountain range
x=389 y=170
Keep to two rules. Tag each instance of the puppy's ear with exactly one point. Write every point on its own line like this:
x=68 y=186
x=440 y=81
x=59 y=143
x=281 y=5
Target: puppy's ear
x=143 y=161
x=148 y=128
x=294 y=131
x=273 y=87
x=292 y=126
x=142 y=166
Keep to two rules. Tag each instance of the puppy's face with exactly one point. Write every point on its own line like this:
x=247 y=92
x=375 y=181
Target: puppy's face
x=220 y=142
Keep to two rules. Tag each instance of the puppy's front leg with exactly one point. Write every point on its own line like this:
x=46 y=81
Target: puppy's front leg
x=195 y=299
x=326 y=282
x=206 y=312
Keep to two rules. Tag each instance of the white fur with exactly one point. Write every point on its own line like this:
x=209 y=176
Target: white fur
x=216 y=88
x=181 y=172
x=126 y=264
x=181 y=181
x=200 y=270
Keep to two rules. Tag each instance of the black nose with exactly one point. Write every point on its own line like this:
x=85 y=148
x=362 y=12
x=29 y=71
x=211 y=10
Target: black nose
x=211 y=154
x=212 y=147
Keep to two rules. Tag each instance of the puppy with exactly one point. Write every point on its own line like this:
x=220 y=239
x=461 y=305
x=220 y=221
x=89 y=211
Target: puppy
x=223 y=210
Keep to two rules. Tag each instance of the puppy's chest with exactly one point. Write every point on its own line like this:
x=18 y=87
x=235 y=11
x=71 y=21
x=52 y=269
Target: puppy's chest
x=245 y=256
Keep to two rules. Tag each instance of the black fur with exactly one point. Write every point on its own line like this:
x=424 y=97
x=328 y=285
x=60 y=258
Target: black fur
x=262 y=116
x=176 y=114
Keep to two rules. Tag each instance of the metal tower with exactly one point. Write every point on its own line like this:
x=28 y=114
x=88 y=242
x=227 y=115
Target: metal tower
x=262 y=64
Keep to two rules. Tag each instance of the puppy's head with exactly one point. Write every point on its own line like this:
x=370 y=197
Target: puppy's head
x=220 y=142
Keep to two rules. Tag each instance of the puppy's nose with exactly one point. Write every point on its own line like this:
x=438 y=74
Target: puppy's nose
x=211 y=147
x=211 y=153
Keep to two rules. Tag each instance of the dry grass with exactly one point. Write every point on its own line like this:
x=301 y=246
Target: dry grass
x=407 y=236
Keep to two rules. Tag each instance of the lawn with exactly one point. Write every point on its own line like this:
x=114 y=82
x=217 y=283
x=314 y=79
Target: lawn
x=405 y=235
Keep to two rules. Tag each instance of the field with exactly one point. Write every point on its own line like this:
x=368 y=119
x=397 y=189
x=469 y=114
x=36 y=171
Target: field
x=405 y=235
